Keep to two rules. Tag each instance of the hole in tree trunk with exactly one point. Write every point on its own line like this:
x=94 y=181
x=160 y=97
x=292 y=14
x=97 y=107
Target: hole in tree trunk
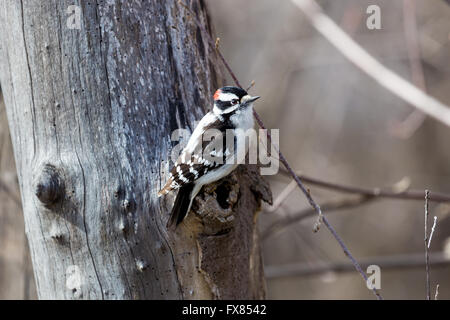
x=223 y=192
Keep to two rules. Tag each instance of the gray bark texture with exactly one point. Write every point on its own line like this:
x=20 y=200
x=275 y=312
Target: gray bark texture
x=91 y=112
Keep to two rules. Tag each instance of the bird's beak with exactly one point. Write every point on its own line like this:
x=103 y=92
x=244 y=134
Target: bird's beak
x=249 y=99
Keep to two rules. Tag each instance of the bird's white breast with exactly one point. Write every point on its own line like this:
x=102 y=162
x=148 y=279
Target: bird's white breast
x=243 y=119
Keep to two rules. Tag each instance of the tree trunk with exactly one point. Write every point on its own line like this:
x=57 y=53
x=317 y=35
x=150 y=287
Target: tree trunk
x=91 y=112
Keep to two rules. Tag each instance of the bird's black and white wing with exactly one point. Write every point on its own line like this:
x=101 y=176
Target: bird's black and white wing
x=202 y=161
x=200 y=156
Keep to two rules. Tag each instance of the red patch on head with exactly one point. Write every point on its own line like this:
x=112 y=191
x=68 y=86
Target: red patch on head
x=216 y=95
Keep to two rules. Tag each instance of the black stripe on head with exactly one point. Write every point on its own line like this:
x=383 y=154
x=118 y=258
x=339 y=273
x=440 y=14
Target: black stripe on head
x=222 y=105
x=235 y=90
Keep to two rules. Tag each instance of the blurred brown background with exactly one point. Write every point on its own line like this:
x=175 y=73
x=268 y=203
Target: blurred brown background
x=335 y=124
x=16 y=274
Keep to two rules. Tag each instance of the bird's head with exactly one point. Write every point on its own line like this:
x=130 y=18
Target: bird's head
x=229 y=99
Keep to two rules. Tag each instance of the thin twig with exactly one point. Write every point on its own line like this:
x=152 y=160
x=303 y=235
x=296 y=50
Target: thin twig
x=436 y=294
x=333 y=205
x=375 y=192
x=393 y=262
x=282 y=196
x=344 y=203
x=251 y=85
x=283 y=160
x=432 y=231
x=427 y=257
x=216 y=45
x=367 y=63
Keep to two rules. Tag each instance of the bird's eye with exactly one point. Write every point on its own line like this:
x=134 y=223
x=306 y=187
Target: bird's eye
x=234 y=101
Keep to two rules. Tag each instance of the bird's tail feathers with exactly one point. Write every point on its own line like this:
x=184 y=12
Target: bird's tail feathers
x=181 y=206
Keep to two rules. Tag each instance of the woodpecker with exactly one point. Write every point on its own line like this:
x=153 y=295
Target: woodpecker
x=232 y=112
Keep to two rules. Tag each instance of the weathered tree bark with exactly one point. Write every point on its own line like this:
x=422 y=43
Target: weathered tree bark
x=91 y=113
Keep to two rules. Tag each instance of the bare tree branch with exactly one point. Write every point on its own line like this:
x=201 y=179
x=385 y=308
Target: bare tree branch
x=375 y=192
x=394 y=262
x=329 y=206
x=406 y=128
x=363 y=60
x=333 y=205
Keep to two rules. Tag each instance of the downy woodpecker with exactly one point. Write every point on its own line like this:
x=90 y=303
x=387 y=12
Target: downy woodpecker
x=232 y=113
